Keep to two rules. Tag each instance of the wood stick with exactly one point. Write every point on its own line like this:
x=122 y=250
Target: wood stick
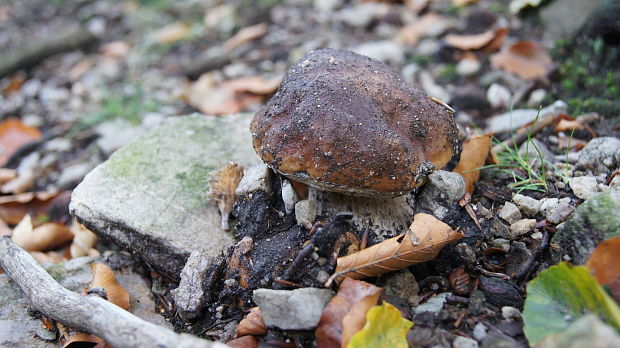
x=32 y=54
x=91 y=314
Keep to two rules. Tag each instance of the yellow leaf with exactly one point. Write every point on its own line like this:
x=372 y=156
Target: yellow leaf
x=385 y=327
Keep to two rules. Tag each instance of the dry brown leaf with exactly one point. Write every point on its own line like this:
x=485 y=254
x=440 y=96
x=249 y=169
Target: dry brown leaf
x=45 y=237
x=13 y=135
x=243 y=342
x=604 y=262
x=15 y=84
x=79 y=69
x=246 y=35
x=253 y=324
x=13 y=208
x=212 y=98
x=22 y=183
x=103 y=277
x=411 y=33
x=172 y=32
x=463 y=2
x=497 y=42
x=473 y=156
x=7 y=174
x=422 y=242
x=474 y=41
x=5 y=230
x=526 y=59
x=83 y=240
x=115 y=49
x=255 y=84
x=568 y=125
x=81 y=339
x=345 y=313
x=49 y=256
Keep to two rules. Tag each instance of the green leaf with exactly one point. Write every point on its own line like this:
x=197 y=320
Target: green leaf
x=560 y=295
x=385 y=327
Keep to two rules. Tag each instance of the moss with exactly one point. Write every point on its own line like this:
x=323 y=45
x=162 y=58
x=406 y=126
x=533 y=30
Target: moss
x=448 y=74
x=57 y=272
x=589 y=77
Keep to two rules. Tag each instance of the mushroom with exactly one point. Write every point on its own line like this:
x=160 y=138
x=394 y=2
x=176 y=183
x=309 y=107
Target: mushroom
x=343 y=122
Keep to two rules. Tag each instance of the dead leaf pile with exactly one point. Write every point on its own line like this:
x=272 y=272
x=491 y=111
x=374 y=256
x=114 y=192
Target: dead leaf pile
x=13 y=135
x=525 y=59
x=489 y=40
x=422 y=242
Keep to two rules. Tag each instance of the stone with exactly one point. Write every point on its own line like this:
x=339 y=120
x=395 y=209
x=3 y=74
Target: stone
x=468 y=66
x=584 y=187
x=152 y=201
x=441 y=189
x=536 y=98
x=510 y=213
x=593 y=221
x=546 y=204
x=518 y=260
x=190 y=296
x=554 y=17
x=298 y=309
x=327 y=5
x=560 y=213
x=480 y=331
x=389 y=52
x=522 y=227
x=289 y=196
x=527 y=205
x=116 y=133
x=498 y=95
x=19 y=329
x=464 y=342
x=586 y=331
x=305 y=212
x=529 y=151
x=600 y=155
x=466 y=253
x=511 y=313
x=255 y=178
x=428 y=84
x=362 y=15
x=518 y=118
x=432 y=305
x=400 y=283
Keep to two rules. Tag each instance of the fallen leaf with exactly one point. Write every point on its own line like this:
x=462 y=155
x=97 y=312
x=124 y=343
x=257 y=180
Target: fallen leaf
x=22 y=183
x=255 y=84
x=411 y=33
x=526 y=59
x=80 y=339
x=83 y=240
x=517 y=5
x=604 y=262
x=172 y=32
x=385 y=327
x=345 y=314
x=243 y=342
x=79 y=69
x=463 y=2
x=7 y=174
x=13 y=208
x=15 y=84
x=473 y=156
x=422 y=242
x=104 y=277
x=13 y=135
x=115 y=49
x=568 y=125
x=475 y=41
x=253 y=324
x=246 y=35
x=45 y=237
x=561 y=294
x=49 y=256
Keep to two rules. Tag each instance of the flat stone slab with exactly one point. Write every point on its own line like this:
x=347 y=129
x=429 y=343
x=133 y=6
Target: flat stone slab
x=19 y=329
x=150 y=197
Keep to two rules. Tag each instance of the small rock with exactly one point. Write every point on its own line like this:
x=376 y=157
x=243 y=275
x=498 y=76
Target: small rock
x=441 y=189
x=500 y=292
x=468 y=66
x=560 y=213
x=298 y=309
x=401 y=283
x=116 y=133
x=584 y=187
x=362 y=15
x=409 y=71
x=433 y=305
x=510 y=213
x=389 y=52
x=537 y=235
x=522 y=227
x=464 y=342
x=501 y=243
x=498 y=95
x=480 y=331
x=529 y=151
x=466 y=253
x=518 y=118
x=427 y=82
x=74 y=173
x=518 y=260
x=536 y=98
x=600 y=155
x=587 y=331
x=305 y=211
x=527 y=205
x=547 y=204
x=499 y=229
x=257 y=177
x=289 y=196
x=327 y=5
x=190 y=296
x=511 y=313
x=593 y=221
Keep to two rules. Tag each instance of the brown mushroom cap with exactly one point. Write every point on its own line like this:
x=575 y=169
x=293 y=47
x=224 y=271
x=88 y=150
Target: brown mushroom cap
x=344 y=122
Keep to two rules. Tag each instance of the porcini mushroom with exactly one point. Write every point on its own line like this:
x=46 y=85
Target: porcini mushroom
x=346 y=123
